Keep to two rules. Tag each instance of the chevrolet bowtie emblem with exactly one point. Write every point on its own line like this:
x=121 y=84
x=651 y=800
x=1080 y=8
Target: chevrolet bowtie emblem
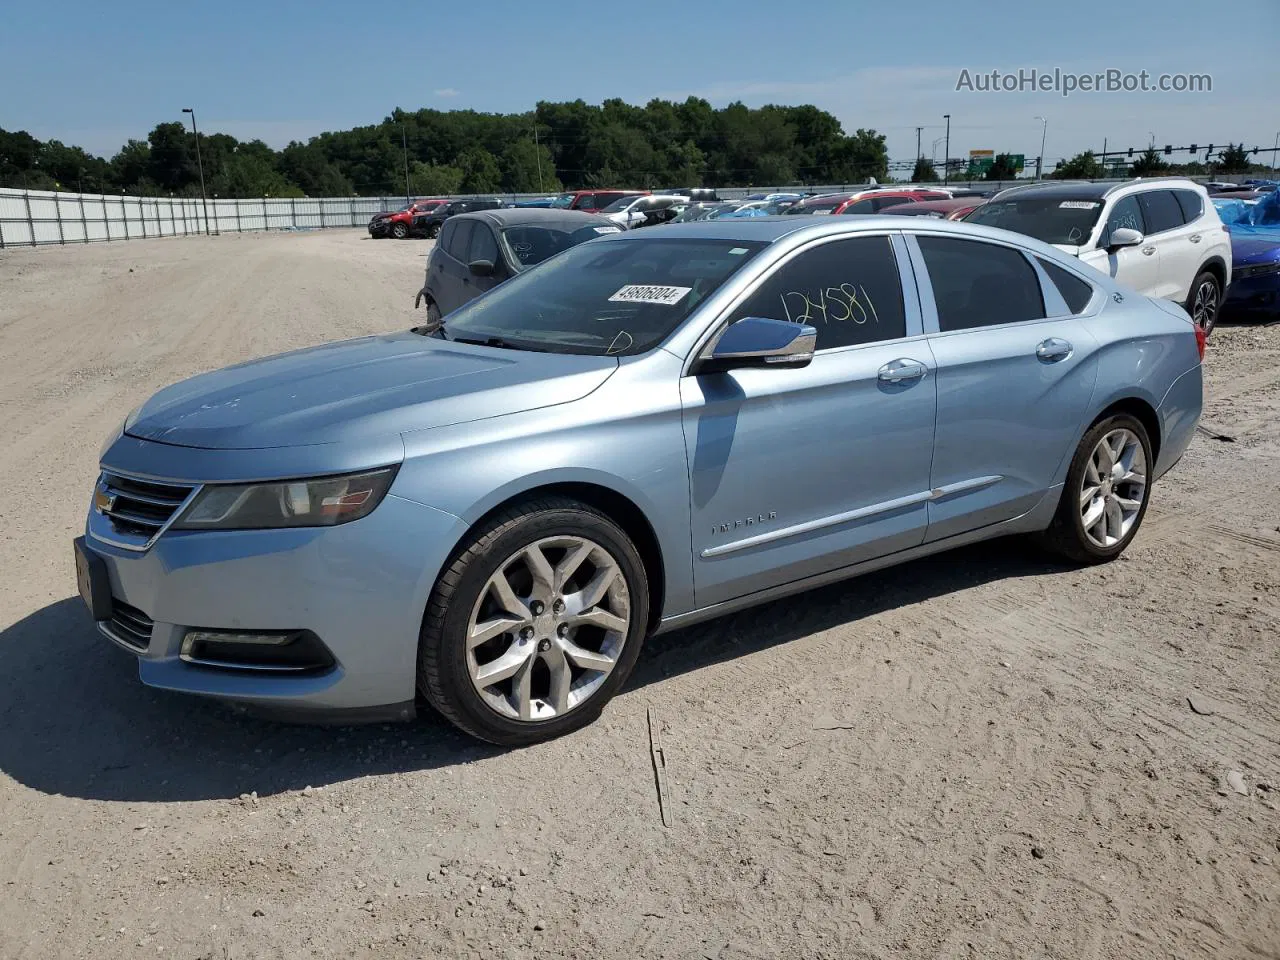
x=104 y=502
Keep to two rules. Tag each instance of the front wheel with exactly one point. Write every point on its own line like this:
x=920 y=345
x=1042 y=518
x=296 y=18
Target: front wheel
x=535 y=624
x=1205 y=301
x=399 y=231
x=1106 y=494
x=433 y=231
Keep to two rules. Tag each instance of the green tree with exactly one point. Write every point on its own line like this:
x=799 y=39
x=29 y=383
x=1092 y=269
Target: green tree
x=1234 y=159
x=1083 y=166
x=528 y=168
x=130 y=165
x=1002 y=168
x=432 y=180
x=480 y=171
x=172 y=160
x=924 y=172
x=1148 y=164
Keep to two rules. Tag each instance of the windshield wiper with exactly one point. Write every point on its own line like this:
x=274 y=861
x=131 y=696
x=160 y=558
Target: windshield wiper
x=496 y=342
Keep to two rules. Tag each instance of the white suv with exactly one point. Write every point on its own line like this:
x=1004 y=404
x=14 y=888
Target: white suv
x=1162 y=236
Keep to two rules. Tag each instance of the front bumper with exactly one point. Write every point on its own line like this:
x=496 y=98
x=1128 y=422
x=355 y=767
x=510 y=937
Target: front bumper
x=361 y=587
x=1258 y=293
x=379 y=228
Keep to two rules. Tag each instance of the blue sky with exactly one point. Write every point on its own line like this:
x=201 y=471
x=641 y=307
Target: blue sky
x=97 y=74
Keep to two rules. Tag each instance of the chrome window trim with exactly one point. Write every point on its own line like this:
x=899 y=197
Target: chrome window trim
x=906 y=282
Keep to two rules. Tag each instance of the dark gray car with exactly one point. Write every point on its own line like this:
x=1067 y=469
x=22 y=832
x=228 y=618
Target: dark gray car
x=477 y=251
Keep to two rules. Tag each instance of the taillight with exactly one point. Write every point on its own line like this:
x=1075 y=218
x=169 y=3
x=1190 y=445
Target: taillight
x=1201 y=339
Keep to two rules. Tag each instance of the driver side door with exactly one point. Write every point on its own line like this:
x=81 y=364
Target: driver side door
x=794 y=472
x=1137 y=267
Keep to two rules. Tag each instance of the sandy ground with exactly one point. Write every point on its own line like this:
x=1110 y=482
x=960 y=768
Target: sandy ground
x=979 y=755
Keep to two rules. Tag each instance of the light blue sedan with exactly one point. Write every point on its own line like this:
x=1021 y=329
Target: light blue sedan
x=645 y=431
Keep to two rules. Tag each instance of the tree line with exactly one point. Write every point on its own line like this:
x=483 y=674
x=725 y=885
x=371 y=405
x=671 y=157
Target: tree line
x=556 y=146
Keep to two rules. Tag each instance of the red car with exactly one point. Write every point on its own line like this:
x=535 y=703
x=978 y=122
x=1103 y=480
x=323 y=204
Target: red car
x=593 y=201
x=954 y=209
x=864 y=201
x=399 y=223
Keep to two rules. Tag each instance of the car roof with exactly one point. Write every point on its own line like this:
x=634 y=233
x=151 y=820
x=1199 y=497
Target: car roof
x=542 y=216
x=769 y=229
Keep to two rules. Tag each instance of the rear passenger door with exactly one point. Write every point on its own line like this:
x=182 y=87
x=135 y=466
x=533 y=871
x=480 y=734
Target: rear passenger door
x=456 y=244
x=1015 y=373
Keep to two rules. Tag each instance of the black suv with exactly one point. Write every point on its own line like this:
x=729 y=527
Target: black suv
x=428 y=224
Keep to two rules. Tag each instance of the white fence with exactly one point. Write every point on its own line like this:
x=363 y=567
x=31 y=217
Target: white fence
x=37 y=217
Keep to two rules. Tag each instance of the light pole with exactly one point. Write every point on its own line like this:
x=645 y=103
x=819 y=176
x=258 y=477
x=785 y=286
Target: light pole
x=1044 y=127
x=404 y=143
x=934 y=151
x=946 y=160
x=200 y=164
x=1274 y=147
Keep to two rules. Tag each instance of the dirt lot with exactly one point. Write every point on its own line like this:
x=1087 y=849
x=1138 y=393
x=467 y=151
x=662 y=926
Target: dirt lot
x=980 y=755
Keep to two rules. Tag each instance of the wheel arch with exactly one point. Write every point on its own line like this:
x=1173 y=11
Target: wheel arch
x=1143 y=412
x=617 y=506
x=1218 y=267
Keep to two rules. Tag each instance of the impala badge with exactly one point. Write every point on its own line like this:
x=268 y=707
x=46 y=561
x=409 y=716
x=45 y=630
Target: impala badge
x=746 y=522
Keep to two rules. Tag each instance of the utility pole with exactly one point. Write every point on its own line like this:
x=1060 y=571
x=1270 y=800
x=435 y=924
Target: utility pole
x=1040 y=159
x=1274 y=147
x=537 y=152
x=1104 y=156
x=404 y=143
x=946 y=160
x=200 y=164
x=918 y=153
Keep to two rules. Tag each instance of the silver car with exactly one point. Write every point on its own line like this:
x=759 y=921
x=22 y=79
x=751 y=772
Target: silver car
x=647 y=430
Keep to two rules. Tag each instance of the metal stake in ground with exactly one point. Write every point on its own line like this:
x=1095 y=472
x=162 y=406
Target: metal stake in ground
x=200 y=164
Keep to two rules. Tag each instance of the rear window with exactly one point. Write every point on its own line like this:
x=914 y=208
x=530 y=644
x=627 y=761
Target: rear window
x=530 y=245
x=1191 y=202
x=978 y=284
x=1161 y=210
x=1074 y=291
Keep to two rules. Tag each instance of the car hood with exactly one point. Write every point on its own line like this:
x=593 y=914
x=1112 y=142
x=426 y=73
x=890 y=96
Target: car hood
x=355 y=389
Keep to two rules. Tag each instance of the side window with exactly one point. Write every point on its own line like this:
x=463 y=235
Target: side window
x=860 y=206
x=1191 y=203
x=460 y=240
x=446 y=235
x=847 y=289
x=879 y=203
x=1126 y=213
x=1161 y=210
x=1075 y=291
x=483 y=246
x=977 y=284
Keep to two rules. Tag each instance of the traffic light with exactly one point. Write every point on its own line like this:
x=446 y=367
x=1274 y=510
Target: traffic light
x=1131 y=151
x=1211 y=148
x=1193 y=148
x=1168 y=149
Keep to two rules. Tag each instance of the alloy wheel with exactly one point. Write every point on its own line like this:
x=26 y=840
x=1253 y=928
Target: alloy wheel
x=548 y=628
x=1204 y=307
x=1113 y=488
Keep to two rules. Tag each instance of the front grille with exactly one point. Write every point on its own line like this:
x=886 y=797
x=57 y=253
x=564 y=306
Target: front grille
x=129 y=626
x=139 y=508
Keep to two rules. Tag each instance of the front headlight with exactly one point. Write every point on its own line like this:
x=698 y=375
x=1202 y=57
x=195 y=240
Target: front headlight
x=320 y=502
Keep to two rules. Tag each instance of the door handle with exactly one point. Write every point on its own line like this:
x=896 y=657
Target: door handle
x=1194 y=238
x=1148 y=251
x=1053 y=350
x=899 y=371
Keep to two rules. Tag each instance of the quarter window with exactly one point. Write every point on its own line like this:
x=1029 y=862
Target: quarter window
x=847 y=289
x=1191 y=203
x=859 y=206
x=978 y=284
x=1161 y=211
x=1126 y=213
x=1074 y=291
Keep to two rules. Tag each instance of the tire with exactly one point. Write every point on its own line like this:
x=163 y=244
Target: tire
x=468 y=593
x=1067 y=536
x=433 y=231
x=1204 y=302
x=399 y=230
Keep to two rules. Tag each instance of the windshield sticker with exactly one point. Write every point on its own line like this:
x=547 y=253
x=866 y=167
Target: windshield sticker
x=822 y=212
x=845 y=303
x=737 y=251
x=1079 y=204
x=608 y=229
x=650 y=293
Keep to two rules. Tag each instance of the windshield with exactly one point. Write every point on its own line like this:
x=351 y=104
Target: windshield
x=1052 y=220
x=562 y=202
x=825 y=205
x=620 y=204
x=529 y=245
x=429 y=206
x=617 y=298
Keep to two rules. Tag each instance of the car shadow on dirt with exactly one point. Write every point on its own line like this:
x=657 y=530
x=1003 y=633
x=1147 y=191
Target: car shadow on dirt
x=76 y=721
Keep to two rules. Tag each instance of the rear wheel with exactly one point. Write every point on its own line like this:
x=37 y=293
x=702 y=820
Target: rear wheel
x=1106 y=493
x=1205 y=301
x=535 y=624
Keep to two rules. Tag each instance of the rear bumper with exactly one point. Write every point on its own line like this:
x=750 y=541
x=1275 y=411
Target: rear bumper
x=1260 y=294
x=360 y=587
x=1179 y=412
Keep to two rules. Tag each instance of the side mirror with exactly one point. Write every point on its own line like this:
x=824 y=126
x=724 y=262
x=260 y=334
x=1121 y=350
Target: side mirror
x=481 y=268
x=759 y=342
x=1124 y=237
